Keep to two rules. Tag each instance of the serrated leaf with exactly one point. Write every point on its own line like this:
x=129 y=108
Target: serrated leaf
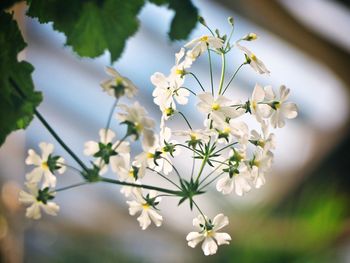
x=15 y=111
x=91 y=26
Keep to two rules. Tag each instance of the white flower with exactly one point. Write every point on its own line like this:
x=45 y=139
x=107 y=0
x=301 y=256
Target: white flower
x=168 y=90
x=168 y=150
x=147 y=208
x=259 y=165
x=138 y=122
x=281 y=109
x=46 y=165
x=37 y=201
x=128 y=173
x=118 y=85
x=149 y=158
x=195 y=135
x=237 y=129
x=238 y=181
x=259 y=109
x=182 y=62
x=219 y=109
x=254 y=62
x=107 y=152
x=201 y=44
x=265 y=140
x=207 y=232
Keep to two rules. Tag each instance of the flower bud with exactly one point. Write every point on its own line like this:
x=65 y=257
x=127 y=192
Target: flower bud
x=201 y=20
x=231 y=20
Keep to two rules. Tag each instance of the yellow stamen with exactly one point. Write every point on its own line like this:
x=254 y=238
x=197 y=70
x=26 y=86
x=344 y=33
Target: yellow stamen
x=179 y=71
x=227 y=130
x=131 y=173
x=193 y=136
x=209 y=233
x=204 y=39
x=145 y=206
x=118 y=80
x=45 y=166
x=253 y=57
x=215 y=106
x=150 y=155
x=138 y=126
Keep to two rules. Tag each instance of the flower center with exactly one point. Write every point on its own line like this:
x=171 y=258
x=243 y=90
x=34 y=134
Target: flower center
x=227 y=130
x=253 y=57
x=204 y=39
x=179 y=71
x=44 y=166
x=118 y=81
x=150 y=155
x=209 y=233
x=215 y=106
x=138 y=126
x=193 y=136
x=145 y=206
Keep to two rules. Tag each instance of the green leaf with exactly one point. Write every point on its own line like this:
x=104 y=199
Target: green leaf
x=185 y=19
x=92 y=26
x=15 y=112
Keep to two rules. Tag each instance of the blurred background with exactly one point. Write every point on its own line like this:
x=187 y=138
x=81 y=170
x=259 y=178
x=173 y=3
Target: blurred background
x=300 y=215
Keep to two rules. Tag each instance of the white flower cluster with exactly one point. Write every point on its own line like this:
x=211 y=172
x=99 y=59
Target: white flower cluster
x=38 y=198
x=239 y=157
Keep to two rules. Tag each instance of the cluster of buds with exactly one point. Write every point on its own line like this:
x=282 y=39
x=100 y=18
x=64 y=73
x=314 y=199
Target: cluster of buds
x=238 y=158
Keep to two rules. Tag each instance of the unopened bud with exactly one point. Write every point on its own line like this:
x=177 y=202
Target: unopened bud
x=201 y=20
x=250 y=37
x=231 y=20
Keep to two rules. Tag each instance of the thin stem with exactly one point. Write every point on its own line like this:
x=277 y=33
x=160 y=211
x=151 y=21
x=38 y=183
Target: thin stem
x=112 y=181
x=189 y=125
x=200 y=211
x=193 y=165
x=227 y=146
x=71 y=186
x=223 y=67
x=205 y=178
x=176 y=171
x=189 y=148
x=234 y=75
x=164 y=177
x=70 y=166
x=200 y=84
x=189 y=90
x=216 y=177
x=202 y=167
x=110 y=117
x=228 y=40
x=120 y=142
x=59 y=140
x=211 y=73
x=209 y=29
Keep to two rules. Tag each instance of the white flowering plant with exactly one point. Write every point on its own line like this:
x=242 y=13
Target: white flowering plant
x=240 y=158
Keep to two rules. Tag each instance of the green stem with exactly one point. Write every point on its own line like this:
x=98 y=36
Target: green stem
x=223 y=67
x=200 y=211
x=110 y=117
x=227 y=146
x=200 y=84
x=189 y=90
x=216 y=177
x=183 y=116
x=168 y=191
x=202 y=167
x=234 y=75
x=120 y=142
x=71 y=186
x=211 y=73
x=163 y=176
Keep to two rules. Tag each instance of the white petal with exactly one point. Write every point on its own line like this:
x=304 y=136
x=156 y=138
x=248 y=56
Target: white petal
x=49 y=179
x=90 y=148
x=209 y=246
x=33 y=211
x=51 y=208
x=225 y=185
x=47 y=149
x=222 y=238
x=33 y=158
x=144 y=220
x=26 y=198
x=220 y=221
x=289 y=110
x=35 y=175
x=106 y=136
x=134 y=207
x=156 y=218
x=194 y=238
